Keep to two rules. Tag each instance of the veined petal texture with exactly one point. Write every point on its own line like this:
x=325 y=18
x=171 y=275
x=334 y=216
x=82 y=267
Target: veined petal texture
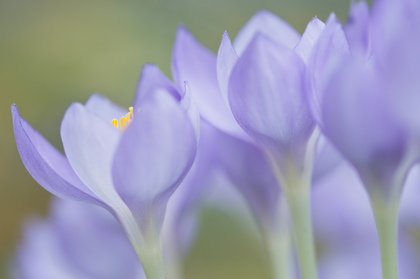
x=267 y=96
x=327 y=53
x=89 y=143
x=226 y=60
x=271 y=26
x=309 y=38
x=153 y=81
x=47 y=165
x=194 y=64
x=153 y=156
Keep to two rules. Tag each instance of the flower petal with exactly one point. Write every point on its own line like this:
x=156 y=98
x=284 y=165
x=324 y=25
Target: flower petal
x=327 y=54
x=370 y=139
x=196 y=65
x=40 y=254
x=90 y=239
x=358 y=26
x=89 y=143
x=104 y=108
x=266 y=94
x=309 y=39
x=271 y=26
x=226 y=60
x=247 y=167
x=326 y=160
x=151 y=80
x=155 y=153
x=46 y=164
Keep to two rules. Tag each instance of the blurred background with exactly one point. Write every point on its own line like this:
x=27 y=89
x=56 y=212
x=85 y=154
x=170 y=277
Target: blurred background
x=56 y=52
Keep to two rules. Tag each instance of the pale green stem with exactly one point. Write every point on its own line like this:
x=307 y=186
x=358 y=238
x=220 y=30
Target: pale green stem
x=148 y=247
x=295 y=181
x=279 y=248
x=386 y=218
x=298 y=199
x=151 y=255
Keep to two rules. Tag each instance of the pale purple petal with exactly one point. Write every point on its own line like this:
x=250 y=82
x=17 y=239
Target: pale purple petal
x=341 y=209
x=90 y=239
x=46 y=164
x=90 y=143
x=152 y=80
x=309 y=38
x=345 y=225
x=104 y=108
x=196 y=65
x=370 y=139
x=357 y=27
x=189 y=106
x=392 y=22
x=266 y=94
x=78 y=241
x=226 y=60
x=326 y=160
x=271 y=26
x=182 y=216
x=327 y=54
x=154 y=155
x=39 y=256
x=247 y=167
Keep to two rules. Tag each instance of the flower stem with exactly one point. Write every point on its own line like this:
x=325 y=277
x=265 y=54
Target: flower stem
x=153 y=263
x=279 y=244
x=298 y=200
x=386 y=218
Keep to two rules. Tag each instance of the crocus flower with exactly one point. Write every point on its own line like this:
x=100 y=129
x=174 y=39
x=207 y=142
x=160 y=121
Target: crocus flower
x=358 y=114
x=196 y=64
x=263 y=77
x=78 y=240
x=270 y=108
x=132 y=172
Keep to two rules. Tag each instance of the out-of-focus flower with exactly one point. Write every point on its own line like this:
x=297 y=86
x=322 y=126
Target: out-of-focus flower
x=132 y=173
x=345 y=228
x=357 y=106
x=77 y=241
x=366 y=75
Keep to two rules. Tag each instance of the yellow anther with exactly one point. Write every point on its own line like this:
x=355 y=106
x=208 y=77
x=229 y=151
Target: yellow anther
x=115 y=122
x=130 y=114
x=123 y=122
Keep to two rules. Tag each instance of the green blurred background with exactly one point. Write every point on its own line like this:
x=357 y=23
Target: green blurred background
x=56 y=52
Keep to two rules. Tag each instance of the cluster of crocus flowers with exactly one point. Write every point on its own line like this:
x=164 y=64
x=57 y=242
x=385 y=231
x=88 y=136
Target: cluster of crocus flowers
x=273 y=113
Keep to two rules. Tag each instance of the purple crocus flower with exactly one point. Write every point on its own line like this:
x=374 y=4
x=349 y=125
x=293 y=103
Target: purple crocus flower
x=231 y=150
x=357 y=109
x=77 y=241
x=263 y=77
x=132 y=173
x=364 y=77
x=194 y=63
x=270 y=107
